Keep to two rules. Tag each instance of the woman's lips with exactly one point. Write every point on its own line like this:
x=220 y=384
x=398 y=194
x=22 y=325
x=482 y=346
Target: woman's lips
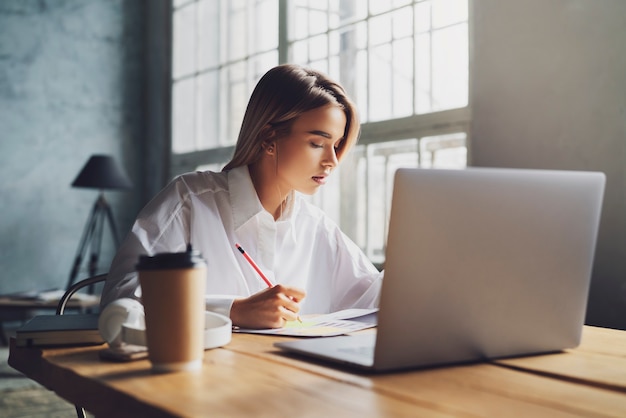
x=319 y=179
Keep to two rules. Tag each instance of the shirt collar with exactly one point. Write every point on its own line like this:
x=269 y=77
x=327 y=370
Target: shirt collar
x=245 y=201
x=243 y=198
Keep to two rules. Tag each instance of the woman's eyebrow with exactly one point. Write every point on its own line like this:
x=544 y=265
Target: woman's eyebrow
x=320 y=133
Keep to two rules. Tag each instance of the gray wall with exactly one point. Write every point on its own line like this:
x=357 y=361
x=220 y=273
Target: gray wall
x=71 y=85
x=549 y=91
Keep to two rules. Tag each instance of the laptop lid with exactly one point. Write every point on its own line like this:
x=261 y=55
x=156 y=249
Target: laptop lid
x=485 y=263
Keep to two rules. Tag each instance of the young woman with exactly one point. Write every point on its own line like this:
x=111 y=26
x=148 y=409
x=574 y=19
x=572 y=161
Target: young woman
x=298 y=126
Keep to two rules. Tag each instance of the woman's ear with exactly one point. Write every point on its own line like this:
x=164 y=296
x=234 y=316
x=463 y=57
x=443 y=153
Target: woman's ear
x=269 y=147
x=268 y=135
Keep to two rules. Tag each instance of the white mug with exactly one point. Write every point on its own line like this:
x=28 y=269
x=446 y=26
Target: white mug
x=122 y=322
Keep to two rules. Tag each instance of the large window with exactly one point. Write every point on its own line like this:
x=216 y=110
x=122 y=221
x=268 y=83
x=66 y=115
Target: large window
x=404 y=62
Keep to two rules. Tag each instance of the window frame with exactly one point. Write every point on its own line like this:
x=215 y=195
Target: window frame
x=416 y=126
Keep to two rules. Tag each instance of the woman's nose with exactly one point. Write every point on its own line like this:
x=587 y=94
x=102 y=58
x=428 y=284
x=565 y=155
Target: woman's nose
x=330 y=158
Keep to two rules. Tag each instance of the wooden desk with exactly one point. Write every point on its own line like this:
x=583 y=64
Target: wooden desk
x=249 y=377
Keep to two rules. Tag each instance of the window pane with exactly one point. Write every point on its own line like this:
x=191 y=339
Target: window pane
x=318 y=48
x=300 y=52
x=334 y=14
x=360 y=40
x=380 y=30
x=450 y=67
x=361 y=231
x=350 y=10
x=344 y=44
x=361 y=94
x=402 y=78
x=259 y=65
x=184 y=42
x=376 y=166
x=224 y=106
x=318 y=18
x=382 y=161
x=266 y=26
x=183 y=115
x=379 y=6
x=179 y=3
x=207 y=116
x=380 y=85
x=299 y=27
x=237 y=98
x=449 y=12
x=422 y=17
x=208 y=34
x=423 y=88
x=237 y=30
x=402 y=23
x=444 y=151
x=226 y=46
x=321 y=65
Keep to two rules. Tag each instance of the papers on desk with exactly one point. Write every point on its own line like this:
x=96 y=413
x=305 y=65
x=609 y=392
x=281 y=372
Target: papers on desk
x=329 y=325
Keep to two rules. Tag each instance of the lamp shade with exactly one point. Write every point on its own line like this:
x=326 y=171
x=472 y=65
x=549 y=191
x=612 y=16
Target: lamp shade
x=102 y=172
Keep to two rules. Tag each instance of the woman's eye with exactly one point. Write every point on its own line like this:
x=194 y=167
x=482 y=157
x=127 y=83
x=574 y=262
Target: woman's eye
x=314 y=145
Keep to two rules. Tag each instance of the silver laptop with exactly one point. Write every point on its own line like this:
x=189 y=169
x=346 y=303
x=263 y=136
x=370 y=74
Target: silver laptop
x=481 y=263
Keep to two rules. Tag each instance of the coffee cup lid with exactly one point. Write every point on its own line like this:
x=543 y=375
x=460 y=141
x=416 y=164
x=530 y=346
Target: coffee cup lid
x=189 y=259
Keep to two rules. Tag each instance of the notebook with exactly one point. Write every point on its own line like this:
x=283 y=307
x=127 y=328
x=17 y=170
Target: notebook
x=481 y=263
x=59 y=330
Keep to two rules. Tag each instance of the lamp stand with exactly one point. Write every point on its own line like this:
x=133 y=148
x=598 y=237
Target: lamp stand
x=92 y=238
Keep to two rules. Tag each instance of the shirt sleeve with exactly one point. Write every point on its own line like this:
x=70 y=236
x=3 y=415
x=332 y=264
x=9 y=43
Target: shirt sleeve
x=160 y=227
x=357 y=282
x=219 y=304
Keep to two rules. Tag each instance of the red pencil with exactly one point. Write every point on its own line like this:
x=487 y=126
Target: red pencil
x=253 y=264
x=258 y=270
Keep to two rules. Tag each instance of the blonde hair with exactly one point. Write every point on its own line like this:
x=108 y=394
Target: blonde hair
x=281 y=96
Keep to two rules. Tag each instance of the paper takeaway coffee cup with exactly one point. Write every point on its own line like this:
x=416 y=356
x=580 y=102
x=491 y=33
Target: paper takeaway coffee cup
x=173 y=288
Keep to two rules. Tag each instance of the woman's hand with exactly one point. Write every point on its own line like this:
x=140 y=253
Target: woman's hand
x=270 y=308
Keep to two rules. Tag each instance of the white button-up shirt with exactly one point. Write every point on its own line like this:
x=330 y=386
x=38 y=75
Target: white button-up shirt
x=213 y=211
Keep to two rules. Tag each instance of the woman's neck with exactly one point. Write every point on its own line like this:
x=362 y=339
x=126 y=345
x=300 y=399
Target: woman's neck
x=267 y=189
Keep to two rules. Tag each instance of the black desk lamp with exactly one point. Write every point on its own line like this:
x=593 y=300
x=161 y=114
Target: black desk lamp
x=101 y=172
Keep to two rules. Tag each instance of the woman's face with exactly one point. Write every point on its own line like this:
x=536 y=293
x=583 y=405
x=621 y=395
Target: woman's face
x=308 y=154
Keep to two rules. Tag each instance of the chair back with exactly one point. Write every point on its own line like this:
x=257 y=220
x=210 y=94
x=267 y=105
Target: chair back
x=90 y=281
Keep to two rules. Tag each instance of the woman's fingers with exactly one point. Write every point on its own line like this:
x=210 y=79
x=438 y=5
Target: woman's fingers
x=270 y=308
x=292 y=293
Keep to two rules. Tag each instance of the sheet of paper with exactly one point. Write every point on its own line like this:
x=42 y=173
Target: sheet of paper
x=336 y=323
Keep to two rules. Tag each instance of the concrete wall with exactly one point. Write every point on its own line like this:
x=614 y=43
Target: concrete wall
x=549 y=91
x=71 y=85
